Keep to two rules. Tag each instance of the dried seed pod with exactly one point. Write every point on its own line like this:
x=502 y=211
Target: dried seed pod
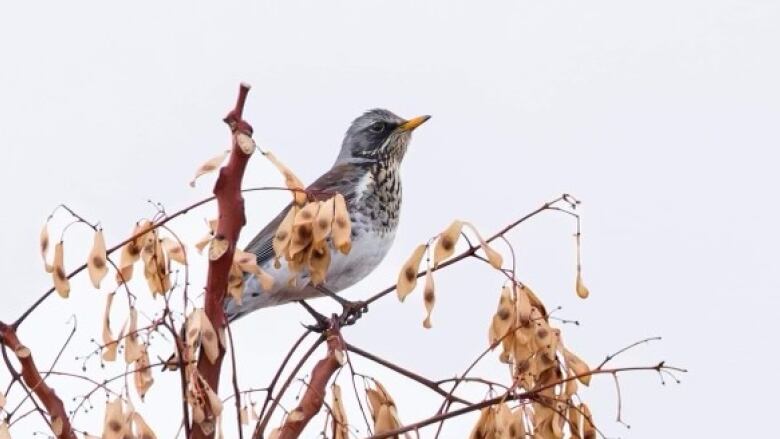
x=209 y=339
x=214 y=402
x=445 y=245
x=142 y=375
x=341 y=230
x=4 y=433
x=483 y=429
x=283 y=235
x=429 y=298
x=558 y=421
x=110 y=344
x=383 y=409
x=96 y=262
x=582 y=290
x=142 y=429
x=319 y=261
x=210 y=165
x=133 y=349
x=2 y=400
x=535 y=302
x=301 y=239
x=324 y=221
x=44 y=246
x=504 y=318
x=244 y=415
x=235 y=283
x=290 y=180
x=175 y=250
x=340 y=426
x=156 y=267
x=570 y=389
x=517 y=428
x=206 y=240
x=307 y=214
x=575 y=422
x=407 y=278
x=507 y=424
x=219 y=246
x=61 y=282
x=131 y=252
x=115 y=424
x=523 y=304
x=576 y=365
x=384 y=421
x=494 y=258
x=588 y=427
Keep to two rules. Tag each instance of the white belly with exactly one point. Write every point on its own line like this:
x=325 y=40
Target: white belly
x=345 y=270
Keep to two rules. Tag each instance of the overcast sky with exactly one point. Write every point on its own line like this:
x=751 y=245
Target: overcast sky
x=661 y=116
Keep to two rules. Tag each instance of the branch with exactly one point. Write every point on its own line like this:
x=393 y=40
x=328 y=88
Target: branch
x=60 y=422
x=510 y=396
x=230 y=206
x=407 y=373
x=313 y=399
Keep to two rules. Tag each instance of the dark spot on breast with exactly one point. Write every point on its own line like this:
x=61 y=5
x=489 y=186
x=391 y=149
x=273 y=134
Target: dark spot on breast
x=255 y=294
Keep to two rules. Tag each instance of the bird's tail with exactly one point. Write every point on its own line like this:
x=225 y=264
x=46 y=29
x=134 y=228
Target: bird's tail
x=253 y=298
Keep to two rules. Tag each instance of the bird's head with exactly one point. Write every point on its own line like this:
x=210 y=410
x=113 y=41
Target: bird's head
x=378 y=136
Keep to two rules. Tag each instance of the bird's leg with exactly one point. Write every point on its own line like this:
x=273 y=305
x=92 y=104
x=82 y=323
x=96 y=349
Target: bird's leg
x=352 y=310
x=323 y=322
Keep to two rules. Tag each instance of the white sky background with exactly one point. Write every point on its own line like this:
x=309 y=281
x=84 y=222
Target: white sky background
x=661 y=116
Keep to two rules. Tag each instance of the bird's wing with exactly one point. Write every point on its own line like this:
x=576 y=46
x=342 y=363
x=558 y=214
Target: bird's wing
x=344 y=179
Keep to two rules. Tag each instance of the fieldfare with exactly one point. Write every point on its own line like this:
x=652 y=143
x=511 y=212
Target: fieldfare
x=366 y=173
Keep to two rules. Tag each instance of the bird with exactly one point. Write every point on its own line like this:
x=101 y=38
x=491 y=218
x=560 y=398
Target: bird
x=366 y=173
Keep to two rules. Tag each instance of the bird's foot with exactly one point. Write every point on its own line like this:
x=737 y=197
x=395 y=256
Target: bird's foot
x=352 y=312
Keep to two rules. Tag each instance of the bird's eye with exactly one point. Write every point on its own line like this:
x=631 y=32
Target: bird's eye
x=377 y=127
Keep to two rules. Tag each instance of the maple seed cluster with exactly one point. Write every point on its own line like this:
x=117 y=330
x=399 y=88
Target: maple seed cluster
x=528 y=343
x=310 y=230
x=539 y=360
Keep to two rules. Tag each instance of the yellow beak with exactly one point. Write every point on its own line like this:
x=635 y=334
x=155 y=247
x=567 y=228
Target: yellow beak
x=413 y=123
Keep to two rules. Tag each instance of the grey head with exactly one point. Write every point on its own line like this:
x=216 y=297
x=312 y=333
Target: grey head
x=378 y=136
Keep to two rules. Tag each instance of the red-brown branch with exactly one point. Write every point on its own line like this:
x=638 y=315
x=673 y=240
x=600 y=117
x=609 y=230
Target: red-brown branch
x=230 y=207
x=314 y=398
x=32 y=378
